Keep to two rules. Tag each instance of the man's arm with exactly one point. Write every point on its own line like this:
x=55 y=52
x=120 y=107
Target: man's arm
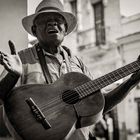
x=118 y=94
x=7 y=83
x=12 y=63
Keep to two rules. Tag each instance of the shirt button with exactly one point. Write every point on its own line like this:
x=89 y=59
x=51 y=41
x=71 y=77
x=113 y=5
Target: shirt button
x=63 y=67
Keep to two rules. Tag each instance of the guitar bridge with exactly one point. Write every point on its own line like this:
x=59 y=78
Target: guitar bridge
x=39 y=116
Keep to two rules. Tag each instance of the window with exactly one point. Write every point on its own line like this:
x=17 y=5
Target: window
x=99 y=23
x=73 y=4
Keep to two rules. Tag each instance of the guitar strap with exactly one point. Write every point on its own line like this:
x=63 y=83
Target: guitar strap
x=43 y=64
x=67 y=56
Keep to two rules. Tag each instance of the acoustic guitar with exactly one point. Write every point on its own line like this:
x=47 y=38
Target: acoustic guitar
x=48 y=112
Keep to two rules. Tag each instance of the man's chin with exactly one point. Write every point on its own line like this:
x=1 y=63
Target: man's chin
x=55 y=41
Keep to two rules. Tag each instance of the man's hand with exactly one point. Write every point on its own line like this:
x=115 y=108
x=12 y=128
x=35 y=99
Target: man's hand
x=135 y=78
x=11 y=62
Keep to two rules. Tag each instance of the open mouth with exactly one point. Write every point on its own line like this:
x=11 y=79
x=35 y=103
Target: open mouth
x=52 y=31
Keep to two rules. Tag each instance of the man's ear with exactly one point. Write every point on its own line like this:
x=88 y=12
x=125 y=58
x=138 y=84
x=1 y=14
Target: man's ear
x=34 y=30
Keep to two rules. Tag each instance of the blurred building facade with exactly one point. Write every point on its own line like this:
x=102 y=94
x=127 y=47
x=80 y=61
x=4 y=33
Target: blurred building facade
x=11 y=13
x=104 y=40
x=129 y=44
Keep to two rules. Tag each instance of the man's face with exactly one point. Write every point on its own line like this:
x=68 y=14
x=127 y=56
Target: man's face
x=50 y=28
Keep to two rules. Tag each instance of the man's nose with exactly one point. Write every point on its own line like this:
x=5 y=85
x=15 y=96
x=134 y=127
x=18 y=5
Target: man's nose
x=52 y=23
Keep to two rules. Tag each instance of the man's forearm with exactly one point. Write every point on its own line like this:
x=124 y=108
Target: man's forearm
x=118 y=94
x=7 y=83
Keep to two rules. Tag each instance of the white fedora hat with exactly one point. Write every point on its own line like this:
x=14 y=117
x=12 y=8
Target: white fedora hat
x=49 y=6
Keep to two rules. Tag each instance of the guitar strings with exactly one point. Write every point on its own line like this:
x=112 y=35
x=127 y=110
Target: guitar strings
x=48 y=115
x=53 y=100
x=84 y=89
x=58 y=99
x=63 y=105
x=80 y=89
x=51 y=112
x=67 y=96
x=57 y=111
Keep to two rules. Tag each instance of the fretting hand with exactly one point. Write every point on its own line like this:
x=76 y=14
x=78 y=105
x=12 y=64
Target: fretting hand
x=11 y=62
x=135 y=78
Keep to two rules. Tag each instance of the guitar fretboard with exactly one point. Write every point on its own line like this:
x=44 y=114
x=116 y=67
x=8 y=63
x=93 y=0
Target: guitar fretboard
x=101 y=82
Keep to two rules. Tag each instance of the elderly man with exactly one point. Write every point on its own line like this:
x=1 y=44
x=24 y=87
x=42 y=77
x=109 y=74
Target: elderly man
x=47 y=60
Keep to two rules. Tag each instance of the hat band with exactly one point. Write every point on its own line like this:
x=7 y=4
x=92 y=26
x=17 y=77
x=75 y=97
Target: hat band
x=49 y=8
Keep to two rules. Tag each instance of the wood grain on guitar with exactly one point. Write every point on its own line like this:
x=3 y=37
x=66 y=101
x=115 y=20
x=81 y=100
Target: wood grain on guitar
x=39 y=116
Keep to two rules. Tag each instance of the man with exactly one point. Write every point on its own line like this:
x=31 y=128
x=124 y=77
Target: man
x=50 y=24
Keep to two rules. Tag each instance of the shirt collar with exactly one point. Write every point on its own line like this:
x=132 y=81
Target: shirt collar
x=46 y=53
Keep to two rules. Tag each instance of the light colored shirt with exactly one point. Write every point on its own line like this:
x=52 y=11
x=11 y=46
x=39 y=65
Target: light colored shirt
x=32 y=73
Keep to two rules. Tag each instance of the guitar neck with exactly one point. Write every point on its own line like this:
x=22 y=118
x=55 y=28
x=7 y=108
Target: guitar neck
x=101 y=82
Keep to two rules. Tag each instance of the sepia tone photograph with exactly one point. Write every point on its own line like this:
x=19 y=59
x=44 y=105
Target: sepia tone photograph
x=70 y=70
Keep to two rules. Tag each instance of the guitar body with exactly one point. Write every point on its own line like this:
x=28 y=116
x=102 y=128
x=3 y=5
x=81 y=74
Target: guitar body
x=61 y=115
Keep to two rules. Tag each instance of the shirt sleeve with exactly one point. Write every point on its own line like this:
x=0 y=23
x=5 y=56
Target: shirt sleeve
x=86 y=71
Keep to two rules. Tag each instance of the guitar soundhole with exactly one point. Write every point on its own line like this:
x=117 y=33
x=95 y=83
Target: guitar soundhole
x=70 y=97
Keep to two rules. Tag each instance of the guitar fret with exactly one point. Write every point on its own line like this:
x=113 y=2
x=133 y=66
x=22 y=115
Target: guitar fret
x=79 y=90
x=110 y=78
x=136 y=65
x=103 y=81
x=97 y=84
x=129 y=70
x=107 y=81
x=83 y=91
x=123 y=72
x=118 y=75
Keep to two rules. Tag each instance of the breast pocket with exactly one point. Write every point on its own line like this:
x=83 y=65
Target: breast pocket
x=34 y=74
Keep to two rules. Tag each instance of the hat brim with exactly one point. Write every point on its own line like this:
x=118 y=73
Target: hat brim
x=71 y=21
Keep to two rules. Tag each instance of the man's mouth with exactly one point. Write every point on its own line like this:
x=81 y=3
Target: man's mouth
x=52 y=31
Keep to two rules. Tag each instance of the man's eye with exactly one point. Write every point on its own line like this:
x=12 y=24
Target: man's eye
x=60 y=21
x=40 y=23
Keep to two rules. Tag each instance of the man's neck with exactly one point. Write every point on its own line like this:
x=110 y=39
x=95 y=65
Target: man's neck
x=52 y=49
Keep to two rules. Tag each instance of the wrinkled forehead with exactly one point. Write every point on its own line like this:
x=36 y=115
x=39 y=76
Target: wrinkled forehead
x=49 y=15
